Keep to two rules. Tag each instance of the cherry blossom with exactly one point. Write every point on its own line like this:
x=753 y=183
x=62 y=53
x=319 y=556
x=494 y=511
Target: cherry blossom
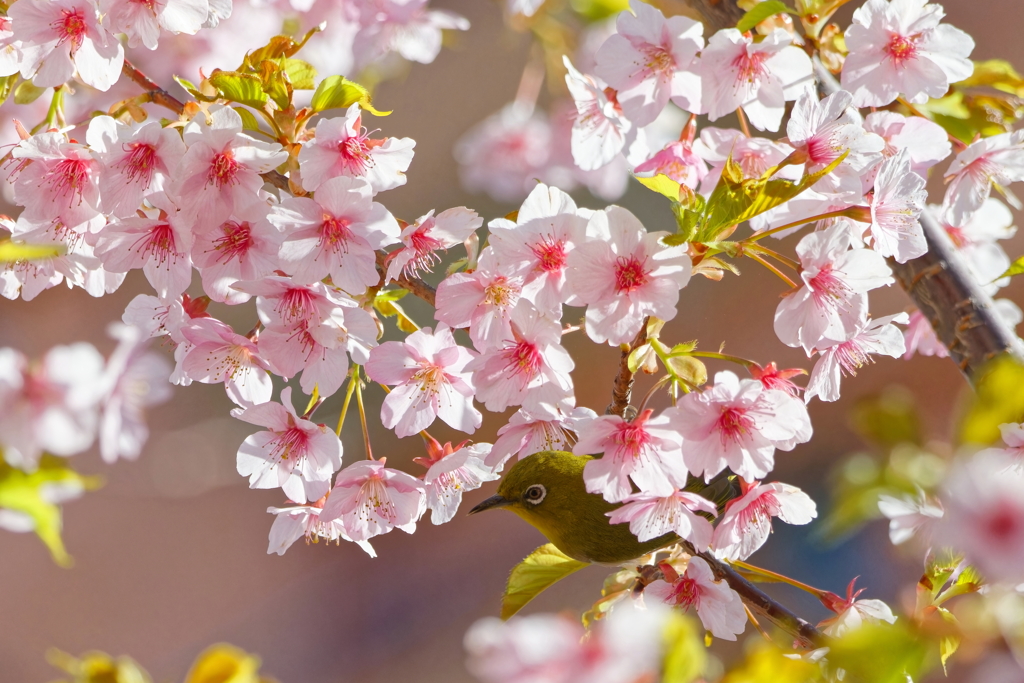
x=1013 y=440
x=984 y=519
x=406 y=27
x=625 y=273
x=220 y=355
x=371 y=499
x=133 y=379
x=759 y=77
x=645 y=451
x=526 y=434
x=771 y=377
x=920 y=337
x=737 y=424
x=429 y=234
x=452 y=472
x=49 y=406
x=821 y=131
x=530 y=368
x=59 y=38
x=292 y=453
x=651 y=59
x=536 y=246
x=430 y=378
x=719 y=607
x=871 y=337
x=678 y=161
x=926 y=141
x=747 y=520
x=833 y=299
x=135 y=161
x=221 y=169
x=335 y=234
x=998 y=160
x=910 y=516
x=976 y=240
x=160 y=244
x=341 y=146
x=899 y=47
x=897 y=203
x=650 y=516
x=851 y=613
x=142 y=21
x=292 y=523
x=599 y=130
x=753 y=155
x=243 y=248
x=482 y=300
x=314 y=308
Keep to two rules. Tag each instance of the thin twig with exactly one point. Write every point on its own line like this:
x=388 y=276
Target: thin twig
x=414 y=285
x=623 y=385
x=156 y=94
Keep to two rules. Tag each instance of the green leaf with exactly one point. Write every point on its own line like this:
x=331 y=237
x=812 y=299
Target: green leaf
x=995 y=73
x=6 y=86
x=661 y=184
x=98 y=667
x=12 y=251
x=685 y=654
x=27 y=93
x=224 y=664
x=390 y=295
x=1016 y=268
x=249 y=121
x=541 y=569
x=337 y=92
x=998 y=399
x=238 y=87
x=597 y=10
x=880 y=653
x=760 y=12
x=302 y=75
x=688 y=369
x=30 y=494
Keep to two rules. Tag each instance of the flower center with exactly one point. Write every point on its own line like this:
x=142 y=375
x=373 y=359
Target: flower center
x=629 y=274
x=236 y=240
x=750 y=67
x=374 y=500
x=500 y=292
x=139 y=162
x=69 y=177
x=686 y=593
x=523 y=359
x=430 y=377
x=761 y=510
x=223 y=170
x=297 y=304
x=901 y=48
x=734 y=423
x=334 y=232
x=958 y=236
x=633 y=439
x=70 y=27
x=355 y=155
x=828 y=290
x=292 y=442
x=851 y=357
x=1003 y=525
x=550 y=253
x=658 y=60
x=158 y=243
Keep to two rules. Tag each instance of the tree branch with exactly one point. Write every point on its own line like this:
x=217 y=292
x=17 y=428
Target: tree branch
x=412 y=285
x=156 y=94
x=622 y=387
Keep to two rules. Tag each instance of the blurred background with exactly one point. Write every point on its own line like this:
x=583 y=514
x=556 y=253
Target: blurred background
x=170 y=555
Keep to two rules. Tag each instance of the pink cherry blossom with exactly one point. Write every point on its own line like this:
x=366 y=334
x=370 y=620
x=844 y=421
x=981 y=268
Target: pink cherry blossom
x=292 y=523
x=482 y=300
x=135 y=161
x=220 y=355
x=452 y=472
x=371 y=499
x=430 y=379
x=158 y=318
x=771 y=377
x=341 y=146
x=910 y=516
x=747 y=520
x=678 y=161
x=920 y=337
x=984 y=502
x=976 y=240
x=738 y=424
x=405 y=27
x=624 y=274
x=600 y=129
x=998 y=160
x=134 y=379
x=650 y=516
x=719 y=607
x=160 y=245
x=833 y=299
x=530 y=368
x=651 y=59
x=645 y=451
x=143 y=21
x=897 y=203
x=898 y=47
x=78 y=265
x=282 y=302
x=926 y=141
x=753 y=155
x=429 y=234
x=851 y=613
x=879 y=336
x=335 y=234
x=49 y=406
x=243 y=248
x=759 y=77
x=221 y=169
x=292 y=453
x=59 y=38
x=536 y=246
x=526 y=434
x=823 y=130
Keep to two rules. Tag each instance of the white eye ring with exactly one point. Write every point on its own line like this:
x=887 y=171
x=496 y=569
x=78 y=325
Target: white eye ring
x=535 y=494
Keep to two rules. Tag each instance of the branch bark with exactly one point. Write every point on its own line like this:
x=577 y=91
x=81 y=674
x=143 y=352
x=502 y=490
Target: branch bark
x=414 y=285
x=622 y=387
x=156 y=94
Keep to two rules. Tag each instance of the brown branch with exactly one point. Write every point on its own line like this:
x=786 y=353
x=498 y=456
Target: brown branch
x=413 y=285
x=277 y=179
x=622 y=387
x=156 y=94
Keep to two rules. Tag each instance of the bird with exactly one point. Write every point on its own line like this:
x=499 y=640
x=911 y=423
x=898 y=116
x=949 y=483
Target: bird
x=547 y=490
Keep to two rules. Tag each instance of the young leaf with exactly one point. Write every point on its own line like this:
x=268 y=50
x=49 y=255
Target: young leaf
x=11 y=251
x=760 y=12
x=999 y=398
x=241 y=88
x=541 y=569
x=1016 y=268
x=27 y=93
x=302 y=75
x=6 y=86
x=249 y=121
x=661 y=184
x=337 y=92
x=224 y=664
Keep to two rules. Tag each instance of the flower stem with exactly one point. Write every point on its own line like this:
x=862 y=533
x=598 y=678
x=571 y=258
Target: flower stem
x=723 y=356
x=772 y=269
x=744 y=126
x=362 y=415
x=784 y=260
x=768 y=574
x=803 y=221
x=348 y=398
x=650 y=392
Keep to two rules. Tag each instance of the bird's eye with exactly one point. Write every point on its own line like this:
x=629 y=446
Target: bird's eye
x=535 y=494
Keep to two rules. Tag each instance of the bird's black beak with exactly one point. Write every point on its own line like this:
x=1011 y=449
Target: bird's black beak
x=492 y=502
